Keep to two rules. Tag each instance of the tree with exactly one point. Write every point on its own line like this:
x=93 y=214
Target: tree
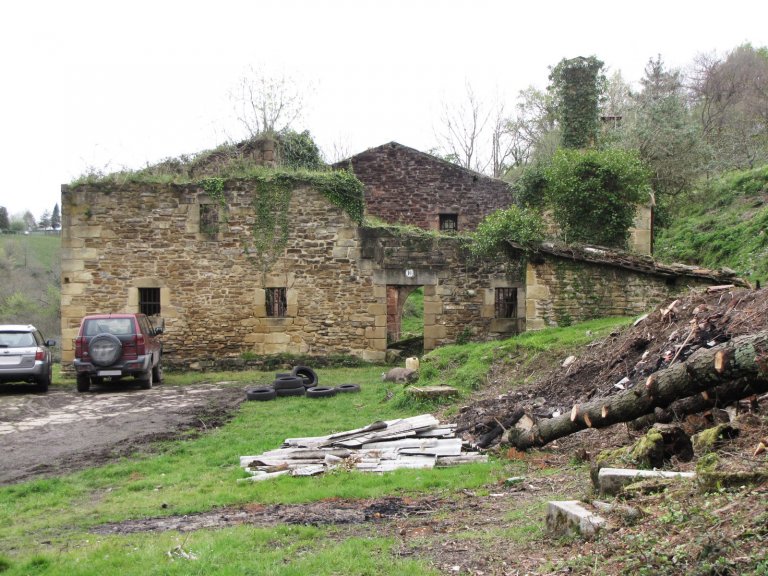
x=463 y=129
x=29 y=221
x=265 y=104
x=56 y=217
x=45 y=221
x=578 y=85
x=5 y=223
x=531 y=127
x=661 y=127
x=731 y=96
x=298 y=150
x=594 y=194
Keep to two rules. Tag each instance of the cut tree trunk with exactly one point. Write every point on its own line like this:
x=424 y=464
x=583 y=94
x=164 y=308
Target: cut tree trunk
x=744 y=357
x=717 y=397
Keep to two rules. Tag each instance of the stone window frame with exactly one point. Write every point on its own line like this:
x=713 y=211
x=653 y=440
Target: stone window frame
x=276 y=302
x=208 y=218
x=134 y=298
x=150 y=300
x=445 y=218
x=505 y=302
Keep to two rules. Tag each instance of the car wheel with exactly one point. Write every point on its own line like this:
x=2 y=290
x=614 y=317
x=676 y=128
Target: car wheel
x=157 y=371
x=307 y=374
x=288 y=383
x=348 y=388
x=105 y=349
x=45 y=381
x=145 y=380
x=290 y=391
x=320 y=392
x=261 y=394
x=83 y=383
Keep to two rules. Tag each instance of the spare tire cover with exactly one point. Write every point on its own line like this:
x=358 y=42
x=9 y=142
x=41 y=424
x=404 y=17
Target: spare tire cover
x=105 y=349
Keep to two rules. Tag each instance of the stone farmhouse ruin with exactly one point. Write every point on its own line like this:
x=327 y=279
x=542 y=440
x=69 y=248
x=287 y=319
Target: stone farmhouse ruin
x=184 y=254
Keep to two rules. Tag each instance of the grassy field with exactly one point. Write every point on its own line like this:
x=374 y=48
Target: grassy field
x=45 y=525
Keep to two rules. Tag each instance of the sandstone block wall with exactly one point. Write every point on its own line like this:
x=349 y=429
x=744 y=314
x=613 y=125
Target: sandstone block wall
x=118 y=239
x=560 y=291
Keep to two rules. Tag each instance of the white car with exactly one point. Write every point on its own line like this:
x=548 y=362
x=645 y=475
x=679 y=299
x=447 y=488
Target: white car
x=25 y=356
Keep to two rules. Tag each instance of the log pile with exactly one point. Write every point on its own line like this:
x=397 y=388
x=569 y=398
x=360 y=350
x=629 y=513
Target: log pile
x=695 y=354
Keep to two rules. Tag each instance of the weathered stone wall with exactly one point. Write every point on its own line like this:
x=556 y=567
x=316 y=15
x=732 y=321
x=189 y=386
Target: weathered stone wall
x=403 y=185
x=459 y=291
x=116 y=240
x=560 y=291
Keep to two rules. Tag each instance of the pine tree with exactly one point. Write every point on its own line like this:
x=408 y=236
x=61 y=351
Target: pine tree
x=56 y=217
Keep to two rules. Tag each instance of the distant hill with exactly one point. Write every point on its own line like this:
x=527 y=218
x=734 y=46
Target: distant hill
x=30 y=291
x=724 y=223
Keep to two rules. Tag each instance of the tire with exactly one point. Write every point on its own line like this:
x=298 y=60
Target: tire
x=282 y=375
x=146 y=380
x=291 y=391
x=261 y=394
x=105 y=349
x=348 y=388
x=320 y=392
x=310 y=376
x=288 y=383
x=157 y=371
x=83 y=383
x=45 y=381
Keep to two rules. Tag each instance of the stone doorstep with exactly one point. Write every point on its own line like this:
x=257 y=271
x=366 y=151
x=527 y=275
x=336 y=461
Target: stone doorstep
x=612 y=480
x=570 y=516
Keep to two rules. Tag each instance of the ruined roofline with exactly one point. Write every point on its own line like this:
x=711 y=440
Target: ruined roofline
x=394 y=144
x=634 y=262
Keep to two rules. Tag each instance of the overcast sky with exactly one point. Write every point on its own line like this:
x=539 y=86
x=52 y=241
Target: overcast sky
x=110 y=84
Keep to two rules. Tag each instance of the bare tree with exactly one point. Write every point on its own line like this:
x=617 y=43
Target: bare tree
x=463 y=130
x=267 y=104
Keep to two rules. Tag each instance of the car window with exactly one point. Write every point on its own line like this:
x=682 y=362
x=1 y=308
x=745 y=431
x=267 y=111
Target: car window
x=116 y=326
x=16 y=339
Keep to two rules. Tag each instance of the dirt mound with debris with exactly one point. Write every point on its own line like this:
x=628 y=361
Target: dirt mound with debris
x=625 y=359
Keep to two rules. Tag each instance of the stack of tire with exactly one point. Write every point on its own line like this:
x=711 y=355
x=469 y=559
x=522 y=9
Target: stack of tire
x=301 y=381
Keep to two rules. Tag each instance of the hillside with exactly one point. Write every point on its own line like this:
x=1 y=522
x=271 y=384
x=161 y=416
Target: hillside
x=29 y=293
x=724 y=223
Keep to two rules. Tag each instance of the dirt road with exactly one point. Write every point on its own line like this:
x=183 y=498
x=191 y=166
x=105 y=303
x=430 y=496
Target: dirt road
x=61 y=431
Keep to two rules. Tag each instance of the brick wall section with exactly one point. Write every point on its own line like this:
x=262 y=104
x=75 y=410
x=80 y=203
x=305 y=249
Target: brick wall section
x=405 y=186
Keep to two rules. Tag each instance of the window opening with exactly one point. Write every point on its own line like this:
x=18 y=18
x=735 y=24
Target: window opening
x=149 y=301
x=449 y=222
x=277 y=303
x=209 y=218
x=506 y=302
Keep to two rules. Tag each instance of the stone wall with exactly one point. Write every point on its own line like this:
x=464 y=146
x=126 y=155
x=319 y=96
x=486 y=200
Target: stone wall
x=336 y=277
x=560 y=292
x=118 y=239
x=459 y=291
x=405 y=186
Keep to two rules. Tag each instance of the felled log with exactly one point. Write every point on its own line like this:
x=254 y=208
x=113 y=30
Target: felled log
x=746 y=357
x=717 y=397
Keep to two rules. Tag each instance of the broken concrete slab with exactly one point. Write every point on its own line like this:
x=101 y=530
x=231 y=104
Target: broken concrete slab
x=612 y=480
x=432 y=391
x=570 y=516
x=416 y=442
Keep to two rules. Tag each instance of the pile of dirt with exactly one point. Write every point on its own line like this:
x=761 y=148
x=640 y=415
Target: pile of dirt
x=625 y=359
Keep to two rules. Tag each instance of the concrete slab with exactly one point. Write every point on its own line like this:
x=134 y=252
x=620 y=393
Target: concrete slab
x=571 y=516
x=612 y=480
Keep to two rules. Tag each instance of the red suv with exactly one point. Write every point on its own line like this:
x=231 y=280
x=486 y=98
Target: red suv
x=111 y=346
